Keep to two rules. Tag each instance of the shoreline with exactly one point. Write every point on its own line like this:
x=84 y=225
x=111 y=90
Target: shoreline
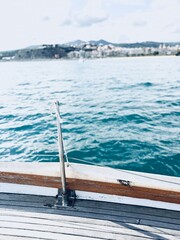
x=85 y=59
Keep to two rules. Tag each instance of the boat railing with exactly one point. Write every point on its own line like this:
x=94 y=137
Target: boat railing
x=65 y=196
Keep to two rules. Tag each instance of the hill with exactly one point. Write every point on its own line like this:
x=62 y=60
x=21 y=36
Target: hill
x=55 y=51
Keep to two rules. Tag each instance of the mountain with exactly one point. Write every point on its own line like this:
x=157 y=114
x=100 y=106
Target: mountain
x=146 y=44
x=139 y=44
x=45 y=51
x=76 y=43
x=79 y=43
x=100 y=42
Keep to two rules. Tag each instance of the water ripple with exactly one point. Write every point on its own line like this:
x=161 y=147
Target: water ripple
x=123 y=113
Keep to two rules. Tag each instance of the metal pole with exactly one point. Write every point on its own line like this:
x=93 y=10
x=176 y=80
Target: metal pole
x=61 y=156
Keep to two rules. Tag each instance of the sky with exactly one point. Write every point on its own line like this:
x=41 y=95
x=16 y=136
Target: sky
x=25 y=23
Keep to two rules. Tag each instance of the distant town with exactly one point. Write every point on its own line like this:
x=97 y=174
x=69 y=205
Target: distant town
x=92 y=50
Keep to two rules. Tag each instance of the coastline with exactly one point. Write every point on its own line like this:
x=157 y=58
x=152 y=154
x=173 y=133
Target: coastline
x=85 y=59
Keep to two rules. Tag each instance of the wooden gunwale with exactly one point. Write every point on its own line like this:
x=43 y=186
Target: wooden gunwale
x=92 y=186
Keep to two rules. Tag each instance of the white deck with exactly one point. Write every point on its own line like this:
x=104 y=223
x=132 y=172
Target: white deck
x=32 y=217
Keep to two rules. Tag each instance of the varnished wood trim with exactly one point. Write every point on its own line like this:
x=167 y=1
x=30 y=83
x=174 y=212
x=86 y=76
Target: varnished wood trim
x=92 y=186
x=30 y=179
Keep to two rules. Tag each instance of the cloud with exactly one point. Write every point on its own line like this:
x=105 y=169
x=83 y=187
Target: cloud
x=131 y=2
x=92 y=13
x=87 y=21
x=83 y=21
x=140 y=23
x=67 y=22
x=46 y=18
x=55 y=21
x=176 y=31
x=159 y=21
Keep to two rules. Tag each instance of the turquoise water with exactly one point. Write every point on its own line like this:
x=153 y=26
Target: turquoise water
x=124 y=112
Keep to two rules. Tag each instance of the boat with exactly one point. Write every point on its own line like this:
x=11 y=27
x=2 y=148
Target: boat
x=80 y=201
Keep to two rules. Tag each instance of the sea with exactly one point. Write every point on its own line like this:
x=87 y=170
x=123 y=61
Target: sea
x=122 y=113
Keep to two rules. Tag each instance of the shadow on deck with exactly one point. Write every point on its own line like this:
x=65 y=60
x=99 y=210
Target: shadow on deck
x=33 y=217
